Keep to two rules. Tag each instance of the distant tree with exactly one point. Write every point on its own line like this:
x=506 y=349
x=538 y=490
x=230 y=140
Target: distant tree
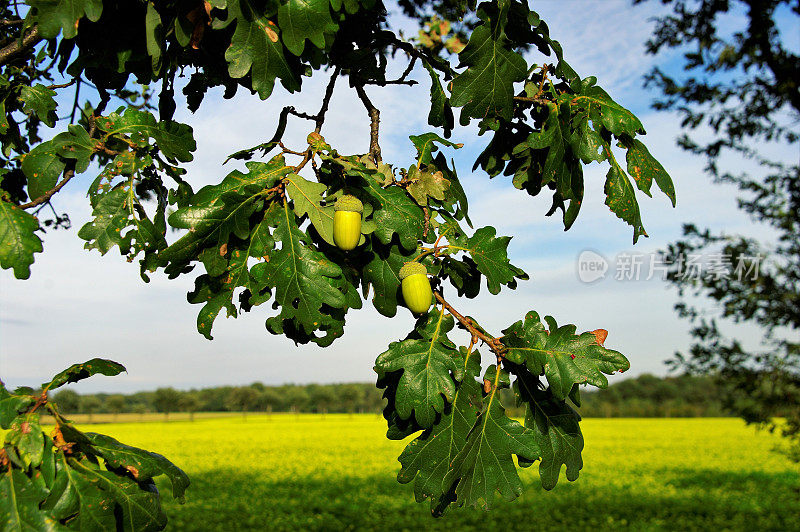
x=166 y=400
x=296 y=397
x=189 y=402
x=89 y=405
x=350 y=395
x=242 y=399
x=270 y=399
x=743 y=86
x=321 y=397
x=68 y=401
x=115 y=404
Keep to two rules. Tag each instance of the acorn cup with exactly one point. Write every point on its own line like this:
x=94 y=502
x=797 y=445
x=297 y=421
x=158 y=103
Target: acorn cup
x=347 y=222
x=416 y=287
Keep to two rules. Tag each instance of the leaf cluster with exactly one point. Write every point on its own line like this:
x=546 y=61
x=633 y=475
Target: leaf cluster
x=68 y=479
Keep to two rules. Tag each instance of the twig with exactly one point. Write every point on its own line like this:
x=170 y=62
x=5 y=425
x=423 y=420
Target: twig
x=494 y=343
x=543 y=101
x=75 y=102
x=375 y=121
x=62 y=85
x=7 y=22
x=19 y=45
x=401 y=80
x=326 y=100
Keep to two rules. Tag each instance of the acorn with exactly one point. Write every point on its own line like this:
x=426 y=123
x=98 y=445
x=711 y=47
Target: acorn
x=347 y=222
x=416 y=287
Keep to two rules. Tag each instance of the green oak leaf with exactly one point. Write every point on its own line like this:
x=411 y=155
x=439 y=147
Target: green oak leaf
x=54 y=16
x=565 y=358
x=426 y=460
x=25 y=433
x=19 y=504
x=215 y=295
x=621 y=199
x=430 y=370
x=602 y=109
x=45 y=162
x=555 y=426
x=141 y=464
x=381 y=273
x=11 y=404
x=217 y=211
x=305 y=19
x=303 y=278
x=84 y=370
x=18 y=239
x=585 y=140
x=307 y=198
x=486 y=88
x=441 y=113
x=175 y=140
x=259 y=175
x=426 y=145
x=106 y=498
x=644 y=168
x=113 y=212
x=490 y=255
x=212 y=225
x=425 y=184
x=485 y=464
x=256 y=49
x=39 y=101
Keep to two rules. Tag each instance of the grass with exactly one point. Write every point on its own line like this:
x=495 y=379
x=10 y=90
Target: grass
x=286 y=472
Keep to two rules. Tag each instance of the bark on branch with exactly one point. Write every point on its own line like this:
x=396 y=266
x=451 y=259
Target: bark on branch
x=375 y=121
x=18 y=46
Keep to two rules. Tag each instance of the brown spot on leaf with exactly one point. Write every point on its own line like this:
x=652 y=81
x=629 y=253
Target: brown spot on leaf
x=25 y=428
x=223 y=249
x=133 y=471
x=487 y=385
x=600 y=335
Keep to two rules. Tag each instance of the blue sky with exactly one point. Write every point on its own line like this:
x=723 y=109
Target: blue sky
x=78 y=305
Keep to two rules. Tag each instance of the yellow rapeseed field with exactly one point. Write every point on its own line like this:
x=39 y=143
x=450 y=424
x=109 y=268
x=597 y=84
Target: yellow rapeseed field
x=337 y=472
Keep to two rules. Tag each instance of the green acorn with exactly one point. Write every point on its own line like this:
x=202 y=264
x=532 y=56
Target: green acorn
x=347 y=222
x=416 y=287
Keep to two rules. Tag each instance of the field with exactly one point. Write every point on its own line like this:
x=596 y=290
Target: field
x=286 y=472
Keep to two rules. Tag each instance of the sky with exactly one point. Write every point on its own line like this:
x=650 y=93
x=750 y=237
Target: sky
x=78 y=305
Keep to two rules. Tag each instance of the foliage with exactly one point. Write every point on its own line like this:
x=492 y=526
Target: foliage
x=71 y=479
x=743 y=87
x=263 y=235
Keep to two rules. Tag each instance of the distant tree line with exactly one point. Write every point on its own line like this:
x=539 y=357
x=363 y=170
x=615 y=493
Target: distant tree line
x=643 y=396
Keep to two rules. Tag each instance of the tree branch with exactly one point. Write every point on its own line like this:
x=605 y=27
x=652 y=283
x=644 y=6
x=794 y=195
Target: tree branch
x=375 y=121
x=20 y=45
x=494 y=343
